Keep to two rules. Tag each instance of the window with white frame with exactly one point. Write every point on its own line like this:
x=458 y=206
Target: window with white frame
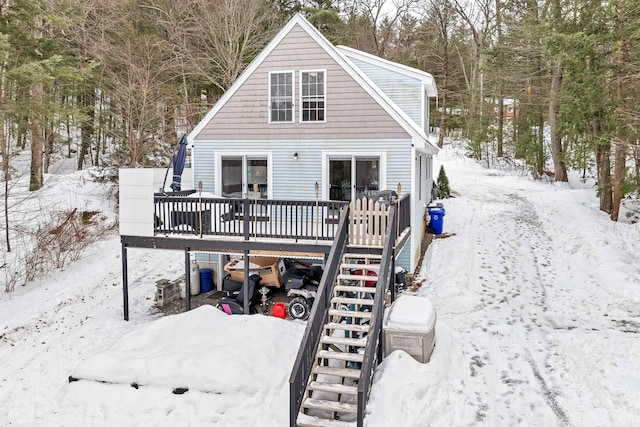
x=312 y=96
x=281 y=96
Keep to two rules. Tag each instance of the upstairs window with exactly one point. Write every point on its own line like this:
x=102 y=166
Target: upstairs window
x=312 y=85
x=281 y=97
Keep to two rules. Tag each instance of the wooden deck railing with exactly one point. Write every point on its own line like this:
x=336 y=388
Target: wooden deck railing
x=304 y=220
x=300 y=220
x=307 y=351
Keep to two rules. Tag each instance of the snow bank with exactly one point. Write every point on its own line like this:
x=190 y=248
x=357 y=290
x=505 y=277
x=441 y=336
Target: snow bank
x=203 y=349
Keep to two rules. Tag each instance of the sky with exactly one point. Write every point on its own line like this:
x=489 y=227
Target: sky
x=537 y=301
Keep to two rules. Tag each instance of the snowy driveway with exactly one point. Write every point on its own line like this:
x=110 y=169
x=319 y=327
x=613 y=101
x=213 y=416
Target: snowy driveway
x=538 y=302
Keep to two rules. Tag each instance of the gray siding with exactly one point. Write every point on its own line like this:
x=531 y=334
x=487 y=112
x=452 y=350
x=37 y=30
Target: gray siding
x=350 y=110
x=404 y=259
x=405 y=91
x=423 y=185
x=203 y=166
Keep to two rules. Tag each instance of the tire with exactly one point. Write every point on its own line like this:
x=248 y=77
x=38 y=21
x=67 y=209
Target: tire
x=299 y=308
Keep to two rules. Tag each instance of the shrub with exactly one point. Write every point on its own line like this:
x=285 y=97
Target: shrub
x=444 y=192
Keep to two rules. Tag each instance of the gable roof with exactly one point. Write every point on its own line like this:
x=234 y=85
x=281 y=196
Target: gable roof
x=427 y=79
x=358 y=76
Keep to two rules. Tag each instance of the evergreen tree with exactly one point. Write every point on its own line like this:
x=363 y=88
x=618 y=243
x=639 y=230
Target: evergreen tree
x=443 y=184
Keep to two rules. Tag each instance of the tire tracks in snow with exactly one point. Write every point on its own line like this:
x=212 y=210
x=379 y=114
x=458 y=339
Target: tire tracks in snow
x=549 y=395
x=513 y=273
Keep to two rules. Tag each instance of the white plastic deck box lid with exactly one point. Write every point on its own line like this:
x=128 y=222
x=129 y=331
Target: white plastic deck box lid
x=409 y=325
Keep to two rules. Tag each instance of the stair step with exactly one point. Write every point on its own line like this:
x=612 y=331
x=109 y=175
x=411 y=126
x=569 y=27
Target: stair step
x=357 y=277
x=328 y=405
x=348 y=313
x=349 y=288
x=355 y=342
x=352 y=266
x=332 y=387
x=344 y=300
x=336 y=372
x=348 y=357
x=326 y=423
x=361 y=256
x=347 y=327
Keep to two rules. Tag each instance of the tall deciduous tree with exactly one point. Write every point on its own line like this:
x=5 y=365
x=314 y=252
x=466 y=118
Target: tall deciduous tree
x=440 y=40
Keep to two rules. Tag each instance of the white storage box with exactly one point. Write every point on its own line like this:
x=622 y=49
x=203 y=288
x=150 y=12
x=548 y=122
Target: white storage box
x=409 y=325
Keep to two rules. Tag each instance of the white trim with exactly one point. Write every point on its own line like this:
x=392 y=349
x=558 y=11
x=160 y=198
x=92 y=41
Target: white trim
x=293 y=97
x=413 y=220
x=300 y=103
x=352 y=155
x=244 y=154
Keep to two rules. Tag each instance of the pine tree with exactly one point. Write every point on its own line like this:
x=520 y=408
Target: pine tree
x=443 y=184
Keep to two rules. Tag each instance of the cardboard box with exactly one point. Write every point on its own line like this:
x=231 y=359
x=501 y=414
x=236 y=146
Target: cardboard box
x=270 y=269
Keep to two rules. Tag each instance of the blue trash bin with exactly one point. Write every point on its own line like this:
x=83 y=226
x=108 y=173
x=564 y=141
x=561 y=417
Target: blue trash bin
x=206 y=279
x=437 y=219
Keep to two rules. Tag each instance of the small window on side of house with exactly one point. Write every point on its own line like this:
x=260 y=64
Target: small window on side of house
x=281 y=97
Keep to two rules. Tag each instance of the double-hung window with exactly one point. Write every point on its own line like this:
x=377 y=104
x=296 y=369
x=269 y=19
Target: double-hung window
x=281 y=97
x=312 y=94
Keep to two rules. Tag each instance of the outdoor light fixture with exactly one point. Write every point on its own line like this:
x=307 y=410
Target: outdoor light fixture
x=296 y=156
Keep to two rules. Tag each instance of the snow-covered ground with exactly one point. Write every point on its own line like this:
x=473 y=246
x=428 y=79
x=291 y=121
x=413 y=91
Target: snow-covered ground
x=538 y=305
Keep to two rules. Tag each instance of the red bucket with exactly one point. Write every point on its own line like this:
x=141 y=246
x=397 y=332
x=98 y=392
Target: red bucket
x=371 y=273
x=279 y=310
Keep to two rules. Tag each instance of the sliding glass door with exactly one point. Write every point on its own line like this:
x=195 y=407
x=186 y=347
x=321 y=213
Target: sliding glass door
x=244 y=176
x=353 y=177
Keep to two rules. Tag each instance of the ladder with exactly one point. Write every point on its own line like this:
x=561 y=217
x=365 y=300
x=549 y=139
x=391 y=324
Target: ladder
x=330 y=397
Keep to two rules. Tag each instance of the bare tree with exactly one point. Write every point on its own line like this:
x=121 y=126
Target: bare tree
x=215 y=40
x=376 y=21
x=439 y=27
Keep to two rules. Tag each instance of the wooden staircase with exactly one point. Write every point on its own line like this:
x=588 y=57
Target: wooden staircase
x=330 y=397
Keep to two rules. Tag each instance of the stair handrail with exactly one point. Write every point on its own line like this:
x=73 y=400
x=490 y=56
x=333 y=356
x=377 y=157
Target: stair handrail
x=373 y=350
x=318 y=318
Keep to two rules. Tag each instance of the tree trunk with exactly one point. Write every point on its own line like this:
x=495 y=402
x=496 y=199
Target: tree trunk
x=500 y=130
x=619 y=172
x=540 y=145
x=603 y=163
x=48 y=149
x=5 y=150
x=442 y=125
x=88 y=101
x=557 y=151
x=620 y=154
x=37 y=143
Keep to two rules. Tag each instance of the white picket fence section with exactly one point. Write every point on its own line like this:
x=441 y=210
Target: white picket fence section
x=367 y=223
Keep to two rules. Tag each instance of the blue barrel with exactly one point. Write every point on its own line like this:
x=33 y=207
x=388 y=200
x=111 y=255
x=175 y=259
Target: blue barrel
x=437 y=219
x=206 y=279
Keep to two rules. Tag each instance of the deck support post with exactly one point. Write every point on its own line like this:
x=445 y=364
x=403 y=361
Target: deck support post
x=187 y=280
x=125 y=283
x=393 y=274
x=245 y=285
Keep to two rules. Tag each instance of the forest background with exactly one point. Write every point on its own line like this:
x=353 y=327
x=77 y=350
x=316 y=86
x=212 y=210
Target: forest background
x=549 y=85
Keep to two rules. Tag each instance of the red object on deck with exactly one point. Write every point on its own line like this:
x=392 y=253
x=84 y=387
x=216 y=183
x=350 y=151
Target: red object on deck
x=279 y=310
